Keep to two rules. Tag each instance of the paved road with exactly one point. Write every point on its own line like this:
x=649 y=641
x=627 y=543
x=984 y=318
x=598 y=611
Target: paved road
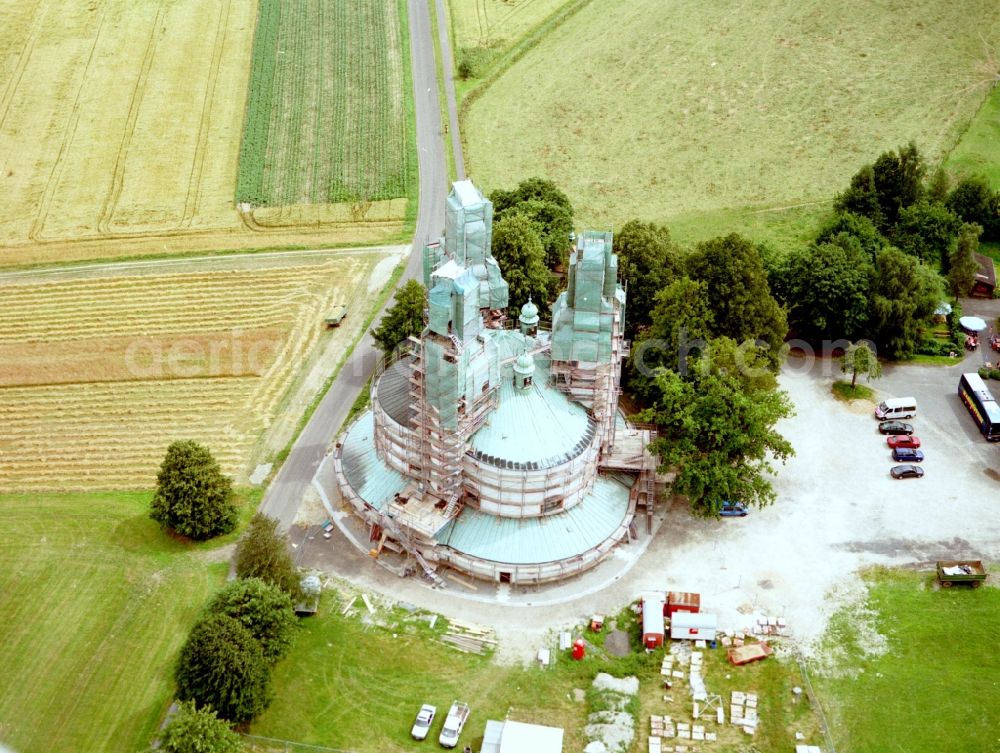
x=288 y=488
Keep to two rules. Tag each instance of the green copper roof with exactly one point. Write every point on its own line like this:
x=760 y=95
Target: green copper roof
x=520 y=541
x=373 y=481
x=534 y=425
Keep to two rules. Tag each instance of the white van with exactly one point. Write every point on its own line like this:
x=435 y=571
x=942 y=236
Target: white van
x=896 y=407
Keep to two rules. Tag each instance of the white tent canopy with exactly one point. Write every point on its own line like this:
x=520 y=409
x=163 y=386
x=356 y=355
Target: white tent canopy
x=972 y=323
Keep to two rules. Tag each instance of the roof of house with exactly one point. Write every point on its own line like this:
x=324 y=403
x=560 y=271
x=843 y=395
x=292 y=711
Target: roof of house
x=987 y=273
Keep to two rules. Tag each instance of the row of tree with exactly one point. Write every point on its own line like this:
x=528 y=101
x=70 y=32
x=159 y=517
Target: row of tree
x=224 y=668
x=223 y=671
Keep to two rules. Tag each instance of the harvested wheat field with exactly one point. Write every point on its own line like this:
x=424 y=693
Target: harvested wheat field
x=103 y=368
x=653 y=109
x=120 y=128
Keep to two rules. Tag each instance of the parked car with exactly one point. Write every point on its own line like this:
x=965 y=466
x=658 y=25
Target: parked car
x=422 y=725
x=895 y=427
x=906 y=471
x=729 y=509
x=458 y=715
x=903 y=440
x=907 y=455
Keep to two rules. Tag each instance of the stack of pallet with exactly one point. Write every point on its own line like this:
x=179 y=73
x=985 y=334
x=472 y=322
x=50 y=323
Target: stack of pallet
x=743 y=711
x=661 y=726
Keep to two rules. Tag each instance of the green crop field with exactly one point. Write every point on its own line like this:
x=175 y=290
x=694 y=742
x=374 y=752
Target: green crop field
x=327 y=118
x=693 y=110
x=95 y=602
x=914 y=665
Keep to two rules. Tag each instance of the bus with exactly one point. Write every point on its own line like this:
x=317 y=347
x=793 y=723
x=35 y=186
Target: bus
x=983 y=408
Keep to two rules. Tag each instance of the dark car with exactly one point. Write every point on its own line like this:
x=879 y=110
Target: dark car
x=907 y=455
x=907 y=471
x=733 y=509
x=895 y=427
x=903 y=440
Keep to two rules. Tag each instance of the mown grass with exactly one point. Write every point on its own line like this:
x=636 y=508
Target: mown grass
x=932 y=686
x=691 y=109
x=356 y=686
x=95 y=602
x=978 y=151
x=844 y=391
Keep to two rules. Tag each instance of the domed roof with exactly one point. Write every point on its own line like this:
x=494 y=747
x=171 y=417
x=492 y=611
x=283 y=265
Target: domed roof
x=525 y=364
x=529 y=313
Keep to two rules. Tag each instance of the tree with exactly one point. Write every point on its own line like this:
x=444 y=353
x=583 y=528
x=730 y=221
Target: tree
x=404 y=318
x=974 y=201
x=221 y=665
x=899 y=183
x=962 y=266
x=193 y=730
x=904 y=294
x=681 y=325
x=648 y=259
x=263 y=609
x=518 y=250
x=529 y=189
x=857 y=226
x=861 y=197
x=744 y=309
x=554 y=223
x=262 y=553
x=937 y=188
x=193 y=497
x=860 y=358
x=927 y=231
x=718 y=436
x=826 y=288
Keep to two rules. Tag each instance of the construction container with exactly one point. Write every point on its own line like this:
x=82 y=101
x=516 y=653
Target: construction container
x=652 y=621
x=693 y=626
x=682 y=601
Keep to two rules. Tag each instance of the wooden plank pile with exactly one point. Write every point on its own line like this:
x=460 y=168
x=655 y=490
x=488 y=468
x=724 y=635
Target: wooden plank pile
x=469 y=638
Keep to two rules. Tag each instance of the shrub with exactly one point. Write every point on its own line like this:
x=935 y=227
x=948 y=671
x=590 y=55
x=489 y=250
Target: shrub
x=193 y=730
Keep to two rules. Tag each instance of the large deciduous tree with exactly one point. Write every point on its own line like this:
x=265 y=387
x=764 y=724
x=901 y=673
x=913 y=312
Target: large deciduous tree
x=927 y=231
x=974 y=201
x=222 y=666
x=858 y=227
x=547 y=206
x=648 y=260
x=193 y=498
x=263 y=609
x=905 y=294
x=193 y=730
x=826 y=289
x=899 y=182
x=404 y=318
x=262 y=553
x=518 y=249
x=738 y=291
x=716 y=432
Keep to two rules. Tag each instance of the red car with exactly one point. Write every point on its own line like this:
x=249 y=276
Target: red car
x=904 y=440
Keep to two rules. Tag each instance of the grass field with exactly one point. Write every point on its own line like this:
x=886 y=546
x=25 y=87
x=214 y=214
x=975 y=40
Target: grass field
x=120 y=129
x=978 y=151
x=916 y=666
x=683 y=108
x=102 y=369
x=95 y=602
x=356 y=684
x=326 y=116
